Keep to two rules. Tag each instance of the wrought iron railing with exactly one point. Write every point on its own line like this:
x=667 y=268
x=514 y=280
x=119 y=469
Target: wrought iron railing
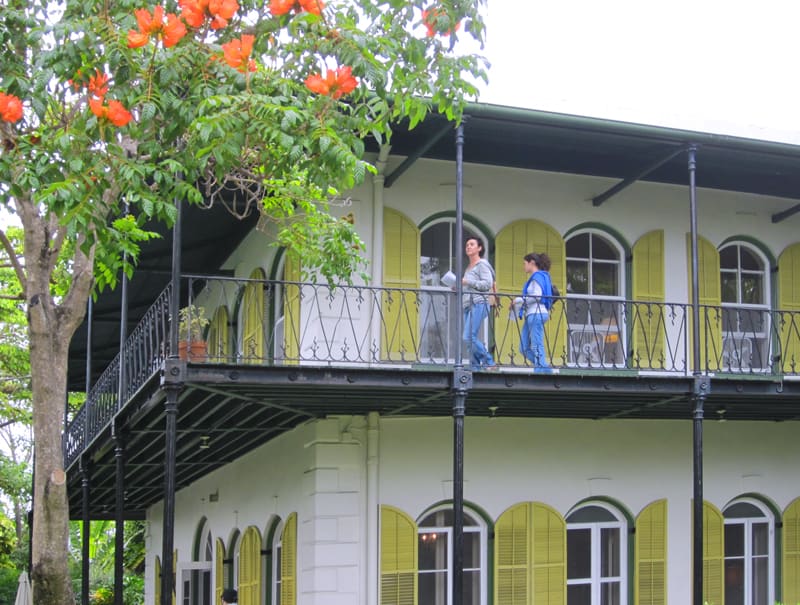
x=293 y=323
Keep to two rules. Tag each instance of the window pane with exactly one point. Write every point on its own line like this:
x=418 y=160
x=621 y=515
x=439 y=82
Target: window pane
x=750 y=261
x=760 y=579
x=432 y=551
x=577 y=277
x=728 y=258
x=753 y=289
x=760 y=538
x=602 y=249
x=734 y=582
x=609 y=553
x=432 y=588
x=728 y=285
x=609 y=593
x=579 y=555
x=578 y=246
x=472 y=550
x=472 y=588
x=591 y=514
x=605 y=279
x=435 y=254
x=743 y=510
x=579 y=594
x=734 y=540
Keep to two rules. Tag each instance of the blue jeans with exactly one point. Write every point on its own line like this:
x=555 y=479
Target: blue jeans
x=473 y=319
x=532 y=343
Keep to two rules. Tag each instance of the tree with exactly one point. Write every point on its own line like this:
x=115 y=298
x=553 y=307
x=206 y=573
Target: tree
x=111 y=113
x=15 y=394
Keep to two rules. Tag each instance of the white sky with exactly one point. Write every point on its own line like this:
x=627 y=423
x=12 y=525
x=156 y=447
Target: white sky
x=728 y=67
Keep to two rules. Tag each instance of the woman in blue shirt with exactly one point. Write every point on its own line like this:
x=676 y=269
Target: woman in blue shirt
x=537 y=298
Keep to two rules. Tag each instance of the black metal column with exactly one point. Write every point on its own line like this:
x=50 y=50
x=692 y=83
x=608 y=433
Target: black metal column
x=462 y=381
x=119 y=516
x=699 y=393
x=172 y=388
x=168 y=538
x=86 y=526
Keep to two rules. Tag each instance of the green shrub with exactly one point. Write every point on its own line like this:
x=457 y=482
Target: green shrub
x=9 y=582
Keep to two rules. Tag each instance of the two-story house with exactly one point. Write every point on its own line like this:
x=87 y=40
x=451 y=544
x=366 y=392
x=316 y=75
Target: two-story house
x=309 y=455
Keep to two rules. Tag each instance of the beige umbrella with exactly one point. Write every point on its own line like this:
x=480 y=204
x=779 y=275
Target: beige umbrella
x=24 y=592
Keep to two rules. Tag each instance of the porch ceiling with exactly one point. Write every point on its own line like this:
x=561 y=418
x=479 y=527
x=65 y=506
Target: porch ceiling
x=493 y=135
x=233 y=410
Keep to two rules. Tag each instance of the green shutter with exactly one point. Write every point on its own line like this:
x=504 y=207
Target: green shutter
x=789 y=301
x=709 y=294
x=549 y=556
x=400 y=316
x=648 y=287
x=253 y=348
x=651 y=555
x=791 y=553
x=713 y=554
x=512 y=556
x=249 y=585
x=289 y=561
x=291 y=308
x=512 y=243
x=219 y=571
x=398 y=558
x=218 y=342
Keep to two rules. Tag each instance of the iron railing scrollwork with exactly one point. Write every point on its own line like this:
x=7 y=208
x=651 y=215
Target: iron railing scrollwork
x=267 y=322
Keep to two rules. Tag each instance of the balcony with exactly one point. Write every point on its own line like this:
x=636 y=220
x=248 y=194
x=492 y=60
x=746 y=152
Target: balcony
x=273 y=324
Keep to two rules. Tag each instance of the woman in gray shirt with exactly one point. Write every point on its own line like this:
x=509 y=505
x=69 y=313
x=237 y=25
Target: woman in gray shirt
x=477 y=282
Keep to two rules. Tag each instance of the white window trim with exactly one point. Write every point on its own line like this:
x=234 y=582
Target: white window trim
x=480 y=528
x=595 y=527
x=445 y=289
x=277 y=548
x=578 y=332
x=748 y=551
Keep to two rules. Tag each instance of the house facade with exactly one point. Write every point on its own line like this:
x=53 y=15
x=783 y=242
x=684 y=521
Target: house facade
x=312 y=450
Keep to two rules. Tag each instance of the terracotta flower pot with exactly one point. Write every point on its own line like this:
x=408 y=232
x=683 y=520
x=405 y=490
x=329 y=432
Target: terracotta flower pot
x=197 y=350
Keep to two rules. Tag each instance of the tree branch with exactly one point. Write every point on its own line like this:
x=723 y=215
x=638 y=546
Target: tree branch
x=14 y=259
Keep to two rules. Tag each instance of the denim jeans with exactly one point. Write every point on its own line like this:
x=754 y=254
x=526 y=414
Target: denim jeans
x=532 y=342
x=473 y=320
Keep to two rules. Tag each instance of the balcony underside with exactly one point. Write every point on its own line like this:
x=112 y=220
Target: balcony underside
x=226 y=411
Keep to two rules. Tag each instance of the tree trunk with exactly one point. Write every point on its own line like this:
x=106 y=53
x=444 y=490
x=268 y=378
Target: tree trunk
x=50 y=571
x=52 y=321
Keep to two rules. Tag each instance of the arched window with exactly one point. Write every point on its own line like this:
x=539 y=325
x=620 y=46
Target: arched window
x=196 y=576
x=595 y=300
x=284 y=562
x=744 y=286
x=597 y=556
x=749 y=547
x=437 y=305
x=435 y=558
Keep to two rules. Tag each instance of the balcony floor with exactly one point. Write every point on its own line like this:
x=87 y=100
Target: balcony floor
x=234 y=409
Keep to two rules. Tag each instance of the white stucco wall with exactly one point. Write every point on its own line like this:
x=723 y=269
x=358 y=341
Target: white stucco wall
x=319 y=471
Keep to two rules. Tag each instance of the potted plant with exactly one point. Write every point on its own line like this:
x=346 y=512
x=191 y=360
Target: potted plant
x=192 y=322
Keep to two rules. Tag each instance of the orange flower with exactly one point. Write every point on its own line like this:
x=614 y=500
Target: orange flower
x=114 y=112
x=312 y=6
x=237 y=53
x=336 y=83
x=98 y=84
x=430 y=17
x=170 y=32
x=220 y=11
x=10 y=108
x=281 y=7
